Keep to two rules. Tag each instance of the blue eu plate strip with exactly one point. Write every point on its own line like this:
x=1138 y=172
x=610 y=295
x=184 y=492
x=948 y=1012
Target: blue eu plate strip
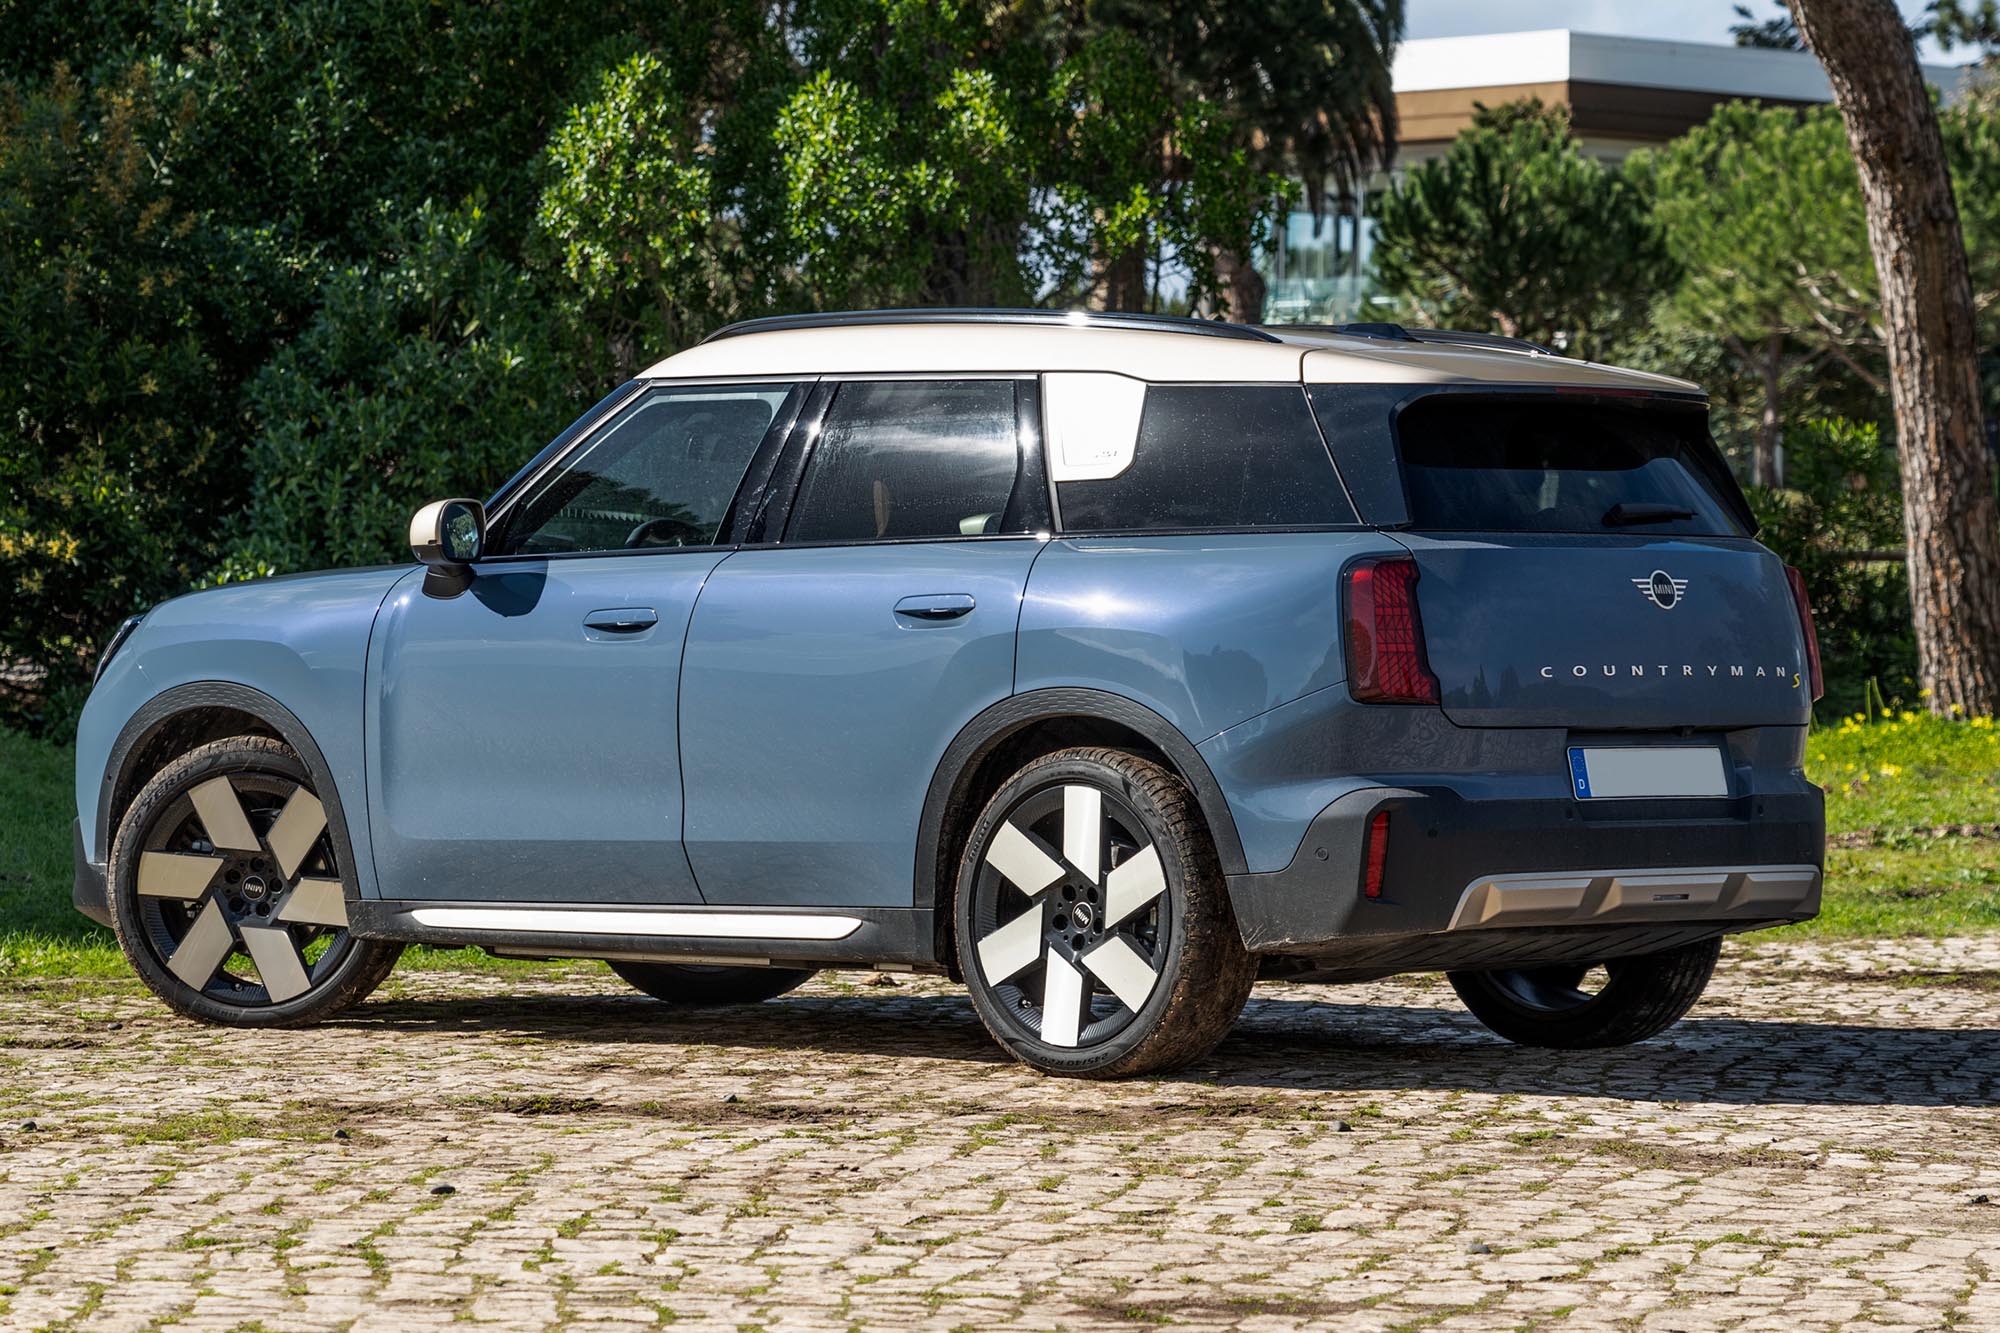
x=1578 y=774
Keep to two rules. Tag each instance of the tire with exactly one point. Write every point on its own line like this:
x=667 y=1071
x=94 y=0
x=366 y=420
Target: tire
x=707 y=986
x=228 y=896
x=1091 y=871
x=1544 y=1006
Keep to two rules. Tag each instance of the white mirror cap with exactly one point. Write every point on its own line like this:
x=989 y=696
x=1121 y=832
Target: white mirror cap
x=428 y=538
x=1093 y=420
x=427 y=529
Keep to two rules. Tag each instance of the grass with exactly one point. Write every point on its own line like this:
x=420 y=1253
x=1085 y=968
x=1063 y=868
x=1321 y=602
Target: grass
x=1892 y=783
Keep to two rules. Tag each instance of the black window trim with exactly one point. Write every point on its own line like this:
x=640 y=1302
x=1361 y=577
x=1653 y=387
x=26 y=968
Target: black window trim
x=1224 y=530
x=754 y=483
x=789 y=479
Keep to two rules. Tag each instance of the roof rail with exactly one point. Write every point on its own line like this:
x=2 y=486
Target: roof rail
x=1088 y=319
x=1399 y=333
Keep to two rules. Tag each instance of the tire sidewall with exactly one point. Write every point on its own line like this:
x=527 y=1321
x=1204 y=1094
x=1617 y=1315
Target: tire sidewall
x=243 y=754
x=1059 y=770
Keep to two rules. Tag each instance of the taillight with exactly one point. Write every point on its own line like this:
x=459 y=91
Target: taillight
x=1385 y=636
x=1377 y=857
x=1799 y=599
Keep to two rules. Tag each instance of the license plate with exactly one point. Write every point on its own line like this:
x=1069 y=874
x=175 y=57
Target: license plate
x=1626 y=772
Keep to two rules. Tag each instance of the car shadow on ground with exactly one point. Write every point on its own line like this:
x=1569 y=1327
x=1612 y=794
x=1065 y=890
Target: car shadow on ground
x=1306 y=1045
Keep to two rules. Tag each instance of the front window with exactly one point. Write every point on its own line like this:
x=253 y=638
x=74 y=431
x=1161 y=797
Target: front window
x=663 y=473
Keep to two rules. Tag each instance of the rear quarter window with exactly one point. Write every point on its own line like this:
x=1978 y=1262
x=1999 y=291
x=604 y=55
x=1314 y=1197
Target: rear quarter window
x=1473 y=463
x=1216 y=457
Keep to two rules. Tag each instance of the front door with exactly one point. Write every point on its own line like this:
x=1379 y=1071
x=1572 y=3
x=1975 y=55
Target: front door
x=826 y=675
x=522 y=736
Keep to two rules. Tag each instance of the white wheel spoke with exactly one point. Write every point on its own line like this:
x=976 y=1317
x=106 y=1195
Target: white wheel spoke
x=1062 y=1003
x=1132 y=885
x=1012 y=947
x=1123 y=971
x=319 y=902
x=279 y=965
x=296 y=829
x=1026 y=866
x=1083 y=830
x=175 y=874
x=222 y=817
x=203 y=948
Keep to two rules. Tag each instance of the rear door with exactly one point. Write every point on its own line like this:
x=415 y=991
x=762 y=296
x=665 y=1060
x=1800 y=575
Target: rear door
x=826 y=675
x=1586 y=562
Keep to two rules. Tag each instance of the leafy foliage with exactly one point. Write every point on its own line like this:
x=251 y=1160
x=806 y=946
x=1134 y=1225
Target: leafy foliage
x=1842 y=502
x=426 y=372
x=115 y=470
x=1516 y=230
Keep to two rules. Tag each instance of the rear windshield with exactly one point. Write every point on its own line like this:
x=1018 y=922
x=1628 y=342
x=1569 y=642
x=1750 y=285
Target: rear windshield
x=1478 y=464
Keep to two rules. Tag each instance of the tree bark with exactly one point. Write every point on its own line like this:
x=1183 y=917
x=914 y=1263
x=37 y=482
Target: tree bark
x=1243 y=287
x=1949 y=512
x=1765 y=467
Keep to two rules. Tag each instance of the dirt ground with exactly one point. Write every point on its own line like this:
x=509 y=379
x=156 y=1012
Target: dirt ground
x=1816 y=1147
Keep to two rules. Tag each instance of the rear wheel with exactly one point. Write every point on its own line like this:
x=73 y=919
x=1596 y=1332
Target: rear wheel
x=1560 y=1007
x=228 y=896
x=705 y=985
x=1093 y=922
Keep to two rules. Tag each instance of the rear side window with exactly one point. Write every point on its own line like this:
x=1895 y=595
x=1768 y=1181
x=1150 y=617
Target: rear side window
x=1216 y=457
x=910 y=460
x=1477 y=464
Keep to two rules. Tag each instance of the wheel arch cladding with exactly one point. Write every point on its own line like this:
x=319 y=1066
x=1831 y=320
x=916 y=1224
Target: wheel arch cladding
x=997 y=742
x=177 y=720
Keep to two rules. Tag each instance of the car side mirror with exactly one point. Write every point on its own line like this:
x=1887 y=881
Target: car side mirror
x=448 y=536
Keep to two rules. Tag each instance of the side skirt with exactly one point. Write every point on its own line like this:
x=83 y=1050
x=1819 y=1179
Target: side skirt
x=897 y=937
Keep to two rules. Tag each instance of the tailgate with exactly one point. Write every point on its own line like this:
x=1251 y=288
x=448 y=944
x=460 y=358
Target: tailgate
x=1610 y=633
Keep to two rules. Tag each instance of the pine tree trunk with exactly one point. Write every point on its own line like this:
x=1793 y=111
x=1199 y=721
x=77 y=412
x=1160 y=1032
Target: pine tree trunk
x=1243 y=287
x=1949 y=512
x=1764 y=469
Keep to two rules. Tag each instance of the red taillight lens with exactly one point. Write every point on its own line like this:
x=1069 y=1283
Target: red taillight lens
x=1814 y=676
x=1385 y=636
x=1377 y=859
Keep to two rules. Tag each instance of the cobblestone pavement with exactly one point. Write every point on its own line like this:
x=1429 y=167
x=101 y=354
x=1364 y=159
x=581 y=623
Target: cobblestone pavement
x=1816 y=1147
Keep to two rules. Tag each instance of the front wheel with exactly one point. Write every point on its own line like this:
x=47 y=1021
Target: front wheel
x=1554 y=1006
x=228 y=894
x=1093 y=922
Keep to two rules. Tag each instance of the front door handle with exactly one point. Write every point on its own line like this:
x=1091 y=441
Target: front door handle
x=935 y=605
x=622 y=619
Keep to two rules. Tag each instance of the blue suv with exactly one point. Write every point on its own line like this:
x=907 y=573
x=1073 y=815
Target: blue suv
x=1105 y=663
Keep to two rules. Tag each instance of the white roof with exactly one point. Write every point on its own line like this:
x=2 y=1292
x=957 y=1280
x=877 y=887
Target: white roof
x=1160 y=356
x=1558 y=55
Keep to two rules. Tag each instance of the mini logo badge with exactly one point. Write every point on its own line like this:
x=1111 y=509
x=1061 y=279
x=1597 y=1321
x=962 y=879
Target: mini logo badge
x=1662 y=589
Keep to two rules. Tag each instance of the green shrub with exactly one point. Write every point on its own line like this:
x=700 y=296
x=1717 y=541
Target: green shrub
x=1843 y=499
x=116 y=420
x=427 y=373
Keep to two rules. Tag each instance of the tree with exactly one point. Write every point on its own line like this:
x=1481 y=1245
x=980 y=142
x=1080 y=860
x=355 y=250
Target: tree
x=1300 y=88
x=1515 y=230
x=1761 y=211
x=1950 y=514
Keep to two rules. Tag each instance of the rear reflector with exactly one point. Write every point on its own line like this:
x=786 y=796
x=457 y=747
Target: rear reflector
x=1815 y=677
x=1385 y=635
x=1377 y=858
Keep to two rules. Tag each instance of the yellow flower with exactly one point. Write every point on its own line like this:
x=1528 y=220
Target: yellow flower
x=1889 y=770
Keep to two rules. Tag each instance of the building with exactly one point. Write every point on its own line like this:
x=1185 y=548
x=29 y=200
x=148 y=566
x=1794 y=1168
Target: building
x=1622 y=93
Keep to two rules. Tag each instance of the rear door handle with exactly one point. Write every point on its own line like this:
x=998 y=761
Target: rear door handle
x=935 y=605
x=622 y=619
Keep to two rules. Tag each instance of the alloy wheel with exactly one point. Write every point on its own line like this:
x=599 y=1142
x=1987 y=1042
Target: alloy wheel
x=1070 y=915
x=239 y=896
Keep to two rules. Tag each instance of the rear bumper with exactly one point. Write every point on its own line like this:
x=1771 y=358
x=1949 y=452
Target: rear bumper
x=1500 y=883
x=89 y=893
